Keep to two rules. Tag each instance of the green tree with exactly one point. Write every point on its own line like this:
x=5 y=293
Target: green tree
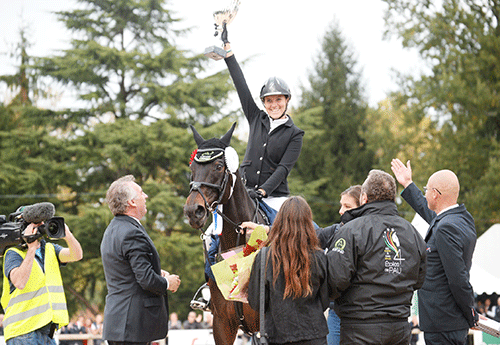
x=460 y=42
x=123 y=61
x=44 y=158
x=20 y=83
x=332 y=113
x=396 y=131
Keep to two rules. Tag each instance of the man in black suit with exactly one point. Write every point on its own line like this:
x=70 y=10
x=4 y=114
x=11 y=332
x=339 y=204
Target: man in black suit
x=136 y=310
x=446 y=299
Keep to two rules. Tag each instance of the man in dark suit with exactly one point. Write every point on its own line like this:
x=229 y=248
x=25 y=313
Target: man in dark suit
x=136 y=310
x=446 y=299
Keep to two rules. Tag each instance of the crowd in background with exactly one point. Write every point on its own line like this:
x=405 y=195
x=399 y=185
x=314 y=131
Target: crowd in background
x=193 y=321
x=489 y=306
x=93 y=325
x=83 y=325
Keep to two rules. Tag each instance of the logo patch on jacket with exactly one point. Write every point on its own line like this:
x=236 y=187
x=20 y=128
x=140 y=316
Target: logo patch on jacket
x=393 y=260
x=339 y=246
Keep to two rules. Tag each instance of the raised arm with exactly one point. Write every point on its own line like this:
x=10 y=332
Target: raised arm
x=74 y=251
x=248 y=105
x=412 y=195
x=402 y=172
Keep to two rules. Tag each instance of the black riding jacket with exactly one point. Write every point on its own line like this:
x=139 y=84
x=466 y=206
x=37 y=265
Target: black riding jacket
x=377 y=261
x=269 y=157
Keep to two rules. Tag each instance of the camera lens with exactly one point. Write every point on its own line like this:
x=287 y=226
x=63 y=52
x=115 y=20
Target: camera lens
x=55 y=227
x=52 y=229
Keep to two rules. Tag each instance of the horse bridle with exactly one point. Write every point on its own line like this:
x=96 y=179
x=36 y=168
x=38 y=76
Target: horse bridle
x=196 y=186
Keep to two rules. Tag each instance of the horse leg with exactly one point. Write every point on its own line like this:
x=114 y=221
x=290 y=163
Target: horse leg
x=251 y=318
x=225 y=321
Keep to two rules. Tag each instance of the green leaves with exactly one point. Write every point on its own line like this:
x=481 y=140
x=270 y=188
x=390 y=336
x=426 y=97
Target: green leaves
x=123 y=61
x=460 y=42
x=137 y=93
x=332 y=113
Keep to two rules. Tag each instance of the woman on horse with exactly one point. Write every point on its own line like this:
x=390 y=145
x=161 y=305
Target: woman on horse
x=274 y=142
x=296 y=290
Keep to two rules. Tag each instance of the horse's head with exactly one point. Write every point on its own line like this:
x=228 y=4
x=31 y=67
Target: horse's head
x=211 y=167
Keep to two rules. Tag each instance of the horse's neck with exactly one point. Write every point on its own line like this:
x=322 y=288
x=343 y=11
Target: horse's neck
x=239 y=208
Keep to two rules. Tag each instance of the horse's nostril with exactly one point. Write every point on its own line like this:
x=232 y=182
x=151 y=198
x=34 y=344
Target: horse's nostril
x=195 y=213
x=200 y=212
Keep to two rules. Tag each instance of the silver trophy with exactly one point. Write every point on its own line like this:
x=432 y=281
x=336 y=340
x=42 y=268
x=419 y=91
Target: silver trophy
x=222 y=17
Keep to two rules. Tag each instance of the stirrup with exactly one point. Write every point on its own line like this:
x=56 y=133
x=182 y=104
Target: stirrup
x=199 y=304
x=202 y=302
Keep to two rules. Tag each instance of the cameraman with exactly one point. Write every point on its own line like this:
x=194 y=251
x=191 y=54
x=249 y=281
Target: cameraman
x=33 y=295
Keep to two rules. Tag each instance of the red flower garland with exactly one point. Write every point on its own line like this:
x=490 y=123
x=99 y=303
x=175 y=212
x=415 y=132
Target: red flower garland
x=192 y=156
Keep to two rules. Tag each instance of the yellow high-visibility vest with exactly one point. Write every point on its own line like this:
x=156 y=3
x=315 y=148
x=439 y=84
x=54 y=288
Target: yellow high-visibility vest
x=41 y=301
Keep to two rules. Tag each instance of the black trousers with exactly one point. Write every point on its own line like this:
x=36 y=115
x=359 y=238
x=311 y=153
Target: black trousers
x=320 y=341
x=384 y=333
x=446 y=338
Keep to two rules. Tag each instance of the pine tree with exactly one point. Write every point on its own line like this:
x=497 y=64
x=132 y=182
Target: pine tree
x=332 y=113
x=123 y=61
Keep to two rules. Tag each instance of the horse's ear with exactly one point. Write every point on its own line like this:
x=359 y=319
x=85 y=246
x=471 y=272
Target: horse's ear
x=197 y=137
x=226 y=138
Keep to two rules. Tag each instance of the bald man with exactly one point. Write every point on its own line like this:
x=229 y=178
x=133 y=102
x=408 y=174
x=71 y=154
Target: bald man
x=446 y=299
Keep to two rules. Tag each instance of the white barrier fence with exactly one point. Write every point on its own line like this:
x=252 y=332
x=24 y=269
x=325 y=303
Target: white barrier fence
x=175 y=337
x=205 y=337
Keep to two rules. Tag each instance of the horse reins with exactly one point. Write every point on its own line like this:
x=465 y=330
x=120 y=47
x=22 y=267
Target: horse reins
x=196 y=186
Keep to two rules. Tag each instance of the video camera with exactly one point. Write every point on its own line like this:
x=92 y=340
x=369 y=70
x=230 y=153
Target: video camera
x=12 y=228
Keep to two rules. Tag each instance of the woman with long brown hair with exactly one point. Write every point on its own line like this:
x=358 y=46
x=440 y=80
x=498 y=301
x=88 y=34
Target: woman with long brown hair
x=296 y=283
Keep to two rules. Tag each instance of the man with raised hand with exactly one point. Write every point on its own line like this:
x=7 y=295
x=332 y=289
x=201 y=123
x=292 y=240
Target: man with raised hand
x=446 y=299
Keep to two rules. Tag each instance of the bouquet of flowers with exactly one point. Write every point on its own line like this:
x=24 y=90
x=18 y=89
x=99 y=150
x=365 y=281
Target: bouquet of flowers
x=234 y=271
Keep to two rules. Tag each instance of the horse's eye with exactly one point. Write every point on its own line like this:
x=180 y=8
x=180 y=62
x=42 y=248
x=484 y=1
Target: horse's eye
x=219 y=167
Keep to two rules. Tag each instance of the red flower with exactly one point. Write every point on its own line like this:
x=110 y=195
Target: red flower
x=234 y=288
x=192 y=156
x=249 y=250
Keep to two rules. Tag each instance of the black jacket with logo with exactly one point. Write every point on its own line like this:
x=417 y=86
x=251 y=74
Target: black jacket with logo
x=269 y=157
x=326 y=235
x=377 y=261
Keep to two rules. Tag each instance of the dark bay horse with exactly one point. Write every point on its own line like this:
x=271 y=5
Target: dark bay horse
x=216 y=181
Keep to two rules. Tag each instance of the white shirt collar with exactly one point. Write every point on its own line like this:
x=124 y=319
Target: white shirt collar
x=448 y=208
x=277 y=123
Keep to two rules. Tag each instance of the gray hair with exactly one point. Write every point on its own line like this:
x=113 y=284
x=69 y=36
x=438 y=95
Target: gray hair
x=379 y=186
x=119 y=193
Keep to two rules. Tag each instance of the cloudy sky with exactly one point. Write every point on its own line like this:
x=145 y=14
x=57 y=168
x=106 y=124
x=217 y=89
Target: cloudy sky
x=278 y=36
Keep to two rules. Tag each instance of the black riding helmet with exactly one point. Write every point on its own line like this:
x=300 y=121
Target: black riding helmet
x=275 y=86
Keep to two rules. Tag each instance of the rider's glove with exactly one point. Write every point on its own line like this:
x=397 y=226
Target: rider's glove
x=255 y=194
